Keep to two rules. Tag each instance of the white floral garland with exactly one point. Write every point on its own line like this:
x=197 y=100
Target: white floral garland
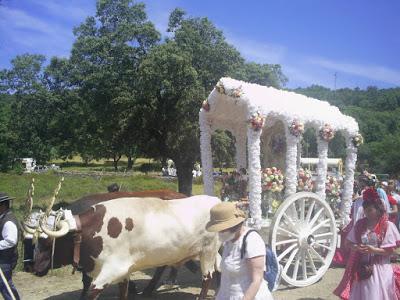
x=322 y=167
x=351 y=158
x=254 y=167
x=206 y=153
x=291 y=162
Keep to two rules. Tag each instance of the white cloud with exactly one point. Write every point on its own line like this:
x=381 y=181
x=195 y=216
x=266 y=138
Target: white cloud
x=256 y=51
x=374 y=72
x=69 y=10
x=26 y=33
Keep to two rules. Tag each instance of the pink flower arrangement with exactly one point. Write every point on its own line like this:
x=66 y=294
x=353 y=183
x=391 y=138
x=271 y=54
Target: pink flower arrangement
x=304 y=180
x=296 y=128
x=272 y=180
x=257 y=121
x=327 y=133
x=332 y=187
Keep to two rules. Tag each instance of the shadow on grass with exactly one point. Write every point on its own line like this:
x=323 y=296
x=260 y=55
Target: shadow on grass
x=112 y=292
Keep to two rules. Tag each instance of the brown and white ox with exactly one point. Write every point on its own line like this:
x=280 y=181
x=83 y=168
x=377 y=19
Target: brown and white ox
x=83 y=204
x=124 y=235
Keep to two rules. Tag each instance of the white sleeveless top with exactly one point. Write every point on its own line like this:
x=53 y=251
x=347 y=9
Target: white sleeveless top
x=236 y=276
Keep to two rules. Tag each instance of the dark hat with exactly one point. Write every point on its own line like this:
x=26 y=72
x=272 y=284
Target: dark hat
x=4 y=197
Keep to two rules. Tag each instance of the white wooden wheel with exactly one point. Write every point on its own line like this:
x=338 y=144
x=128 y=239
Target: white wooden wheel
x=303 y=235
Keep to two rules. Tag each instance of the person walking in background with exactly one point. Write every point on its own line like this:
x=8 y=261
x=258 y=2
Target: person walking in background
x=392 y=202
x=369 y=274
x=242 y=276
x=8 y=246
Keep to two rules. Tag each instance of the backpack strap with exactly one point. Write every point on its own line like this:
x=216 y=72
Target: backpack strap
x=244 y=243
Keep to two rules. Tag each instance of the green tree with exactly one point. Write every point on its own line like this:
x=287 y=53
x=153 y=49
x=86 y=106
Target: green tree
x=175 y=78
x=29 y=130
x=223 y=145
x=263 y=74
x=105 y=60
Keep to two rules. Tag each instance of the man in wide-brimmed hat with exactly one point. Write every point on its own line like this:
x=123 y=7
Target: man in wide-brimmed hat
x=8 y=245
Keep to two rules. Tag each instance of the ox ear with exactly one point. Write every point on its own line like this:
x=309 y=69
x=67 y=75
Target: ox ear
x=53 y=199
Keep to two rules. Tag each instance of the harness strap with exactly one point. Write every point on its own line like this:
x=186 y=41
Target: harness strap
x=77 y=244
x=244 y=243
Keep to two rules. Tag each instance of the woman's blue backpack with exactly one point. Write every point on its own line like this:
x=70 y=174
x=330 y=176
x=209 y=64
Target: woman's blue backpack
x=274 y=269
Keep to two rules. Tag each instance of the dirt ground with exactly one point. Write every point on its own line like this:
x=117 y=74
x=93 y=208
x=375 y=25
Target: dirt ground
x=61 y=285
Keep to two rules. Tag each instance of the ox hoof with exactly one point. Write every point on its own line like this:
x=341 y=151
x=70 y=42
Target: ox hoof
x=132 y=288
x=170 y=282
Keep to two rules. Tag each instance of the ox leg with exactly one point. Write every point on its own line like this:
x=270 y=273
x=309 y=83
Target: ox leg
x=86 y=280
x=148 y=290
x=172 y=277
x=123 y=289
x=114 y=271
x=205 y=285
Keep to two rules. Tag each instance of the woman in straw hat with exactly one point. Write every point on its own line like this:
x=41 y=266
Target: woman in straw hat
x=242 y=275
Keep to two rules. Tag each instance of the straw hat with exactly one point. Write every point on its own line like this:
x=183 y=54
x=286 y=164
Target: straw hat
x=223 y=216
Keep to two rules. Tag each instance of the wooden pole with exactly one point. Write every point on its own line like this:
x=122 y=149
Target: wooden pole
x=6 y=284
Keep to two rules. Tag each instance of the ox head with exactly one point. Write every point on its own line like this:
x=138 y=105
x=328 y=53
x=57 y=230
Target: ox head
x=40 y=230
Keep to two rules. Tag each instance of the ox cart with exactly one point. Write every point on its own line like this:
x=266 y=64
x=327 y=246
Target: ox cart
x=267 y=125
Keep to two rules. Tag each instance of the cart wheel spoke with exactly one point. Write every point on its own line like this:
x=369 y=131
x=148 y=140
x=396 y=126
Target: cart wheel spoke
x=310 y=210
x=321 y=235
x=304 y=266
x=321 y=224
x=302 y=208
x=314 y=252
x=288 y=232
x=290 y=221
x=311 y=262
x=283 y=242
x=322 y=246
x=287 y=250
x=316 y=216
x=289 y=261
x=296 y=268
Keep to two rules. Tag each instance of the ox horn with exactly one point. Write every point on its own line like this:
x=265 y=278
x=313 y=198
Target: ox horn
x=28 y=207
x=62 y=225
x=53 y=199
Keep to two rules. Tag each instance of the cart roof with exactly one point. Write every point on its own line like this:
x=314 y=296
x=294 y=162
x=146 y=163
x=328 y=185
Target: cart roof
x=238 y=100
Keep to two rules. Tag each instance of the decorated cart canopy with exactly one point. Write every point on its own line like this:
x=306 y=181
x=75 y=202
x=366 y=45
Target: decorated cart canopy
x=270 y=122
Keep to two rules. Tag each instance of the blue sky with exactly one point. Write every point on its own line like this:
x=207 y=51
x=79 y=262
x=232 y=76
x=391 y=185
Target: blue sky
x=359 y=40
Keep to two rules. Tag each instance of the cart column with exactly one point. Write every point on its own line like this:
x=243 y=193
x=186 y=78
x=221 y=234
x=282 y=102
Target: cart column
x=254 y=165
x=206 y=153
x=351 y=158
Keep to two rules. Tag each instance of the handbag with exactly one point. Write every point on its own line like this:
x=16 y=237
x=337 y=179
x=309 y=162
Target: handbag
x=365 y=270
